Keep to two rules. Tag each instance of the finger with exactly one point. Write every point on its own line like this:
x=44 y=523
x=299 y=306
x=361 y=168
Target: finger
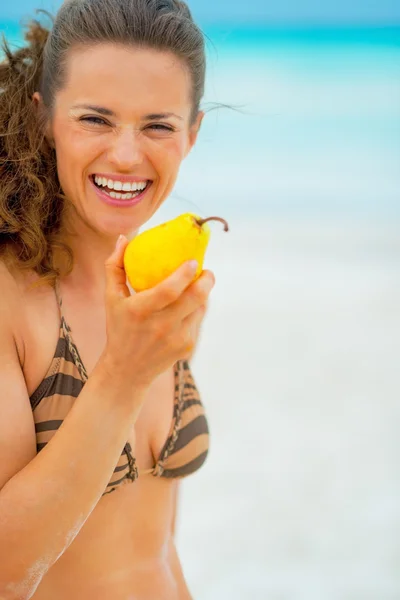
x=192 y=324
x=169 y=290
x=193 y=298
x=195 y=321
x=115 y=272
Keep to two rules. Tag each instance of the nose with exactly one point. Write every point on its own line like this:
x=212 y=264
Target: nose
x=126 y=149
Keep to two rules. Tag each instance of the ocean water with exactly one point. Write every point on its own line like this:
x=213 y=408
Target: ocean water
x=319 y=135
x=313 y=128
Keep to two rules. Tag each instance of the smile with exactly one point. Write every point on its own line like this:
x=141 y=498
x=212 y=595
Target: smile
x=120 y=190
x=124 y=192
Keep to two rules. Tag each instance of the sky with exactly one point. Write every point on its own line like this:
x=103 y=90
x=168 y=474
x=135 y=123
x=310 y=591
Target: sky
x=269 y=11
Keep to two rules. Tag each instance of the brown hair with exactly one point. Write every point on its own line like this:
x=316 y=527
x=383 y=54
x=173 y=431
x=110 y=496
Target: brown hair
x=31 y=200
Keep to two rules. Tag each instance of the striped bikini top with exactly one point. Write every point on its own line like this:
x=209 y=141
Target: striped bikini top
x=186 y=447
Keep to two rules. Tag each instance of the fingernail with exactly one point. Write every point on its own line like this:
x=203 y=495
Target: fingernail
x=119 y=242
x=208 y=285
x=193 y=264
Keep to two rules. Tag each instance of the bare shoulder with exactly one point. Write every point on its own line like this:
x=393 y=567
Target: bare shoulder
x=18 y=295
x=17 y=433
x=30 y=310
x=11 y=307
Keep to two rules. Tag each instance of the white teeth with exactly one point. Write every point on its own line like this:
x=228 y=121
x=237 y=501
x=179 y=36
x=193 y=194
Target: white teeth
x=118 y=196
x=120 y=185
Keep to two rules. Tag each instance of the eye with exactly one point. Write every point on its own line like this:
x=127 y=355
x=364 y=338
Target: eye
x=92 y=120
x=161 y=127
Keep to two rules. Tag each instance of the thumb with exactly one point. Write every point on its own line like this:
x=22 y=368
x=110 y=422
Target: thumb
x=115 y=271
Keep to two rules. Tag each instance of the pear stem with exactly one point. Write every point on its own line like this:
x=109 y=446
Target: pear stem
x=202 y=221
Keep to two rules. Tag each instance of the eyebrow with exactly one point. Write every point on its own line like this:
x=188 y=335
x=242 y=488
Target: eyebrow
x=106 y=112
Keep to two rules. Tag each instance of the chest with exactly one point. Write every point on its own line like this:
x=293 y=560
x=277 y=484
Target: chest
x=88 y=331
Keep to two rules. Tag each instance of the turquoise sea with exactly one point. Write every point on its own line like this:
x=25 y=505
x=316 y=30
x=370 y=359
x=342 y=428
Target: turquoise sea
x=314 y=128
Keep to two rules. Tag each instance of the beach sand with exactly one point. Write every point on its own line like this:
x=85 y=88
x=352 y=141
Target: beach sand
x=298 y=366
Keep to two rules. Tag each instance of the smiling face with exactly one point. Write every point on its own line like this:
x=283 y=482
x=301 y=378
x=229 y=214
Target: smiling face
x=121 y=127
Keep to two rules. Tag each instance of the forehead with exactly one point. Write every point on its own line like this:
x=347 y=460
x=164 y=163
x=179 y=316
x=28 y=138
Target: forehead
x=127 y=79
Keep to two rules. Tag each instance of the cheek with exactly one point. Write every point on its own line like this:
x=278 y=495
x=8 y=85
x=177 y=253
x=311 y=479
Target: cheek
x=167 y=157
x=77 y=148
x=75 y=152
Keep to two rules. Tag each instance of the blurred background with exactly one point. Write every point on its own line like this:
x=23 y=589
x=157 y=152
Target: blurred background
x=298 y=363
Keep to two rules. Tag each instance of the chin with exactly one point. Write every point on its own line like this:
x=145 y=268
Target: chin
x=115 y=225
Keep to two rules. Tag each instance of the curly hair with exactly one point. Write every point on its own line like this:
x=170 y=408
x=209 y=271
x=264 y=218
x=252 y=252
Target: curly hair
x=31 y=199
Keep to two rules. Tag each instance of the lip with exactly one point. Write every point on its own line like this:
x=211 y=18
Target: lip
x=116 y=202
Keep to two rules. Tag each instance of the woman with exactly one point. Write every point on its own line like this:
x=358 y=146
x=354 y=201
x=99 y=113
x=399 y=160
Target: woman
x=100 y=415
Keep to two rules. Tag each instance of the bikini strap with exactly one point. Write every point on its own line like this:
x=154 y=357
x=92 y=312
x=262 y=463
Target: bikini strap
x=68 y=337
x=58 y=295
x=180 y=369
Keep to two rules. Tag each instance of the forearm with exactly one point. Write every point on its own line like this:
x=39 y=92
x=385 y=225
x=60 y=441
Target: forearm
x=43 y=507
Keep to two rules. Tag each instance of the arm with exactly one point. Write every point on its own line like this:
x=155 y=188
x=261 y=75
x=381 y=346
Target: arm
x=45 y=499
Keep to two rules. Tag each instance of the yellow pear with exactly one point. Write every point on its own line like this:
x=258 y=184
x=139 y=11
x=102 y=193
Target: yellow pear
x=156 y=253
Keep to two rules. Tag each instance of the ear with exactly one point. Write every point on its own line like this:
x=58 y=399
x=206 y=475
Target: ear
x=41 y=109
x=194 y=132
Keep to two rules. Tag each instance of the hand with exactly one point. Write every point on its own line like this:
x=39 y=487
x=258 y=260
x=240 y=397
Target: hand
x=150 y=331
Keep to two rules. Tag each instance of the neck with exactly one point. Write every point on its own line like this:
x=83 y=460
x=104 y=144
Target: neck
x=90 y=252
